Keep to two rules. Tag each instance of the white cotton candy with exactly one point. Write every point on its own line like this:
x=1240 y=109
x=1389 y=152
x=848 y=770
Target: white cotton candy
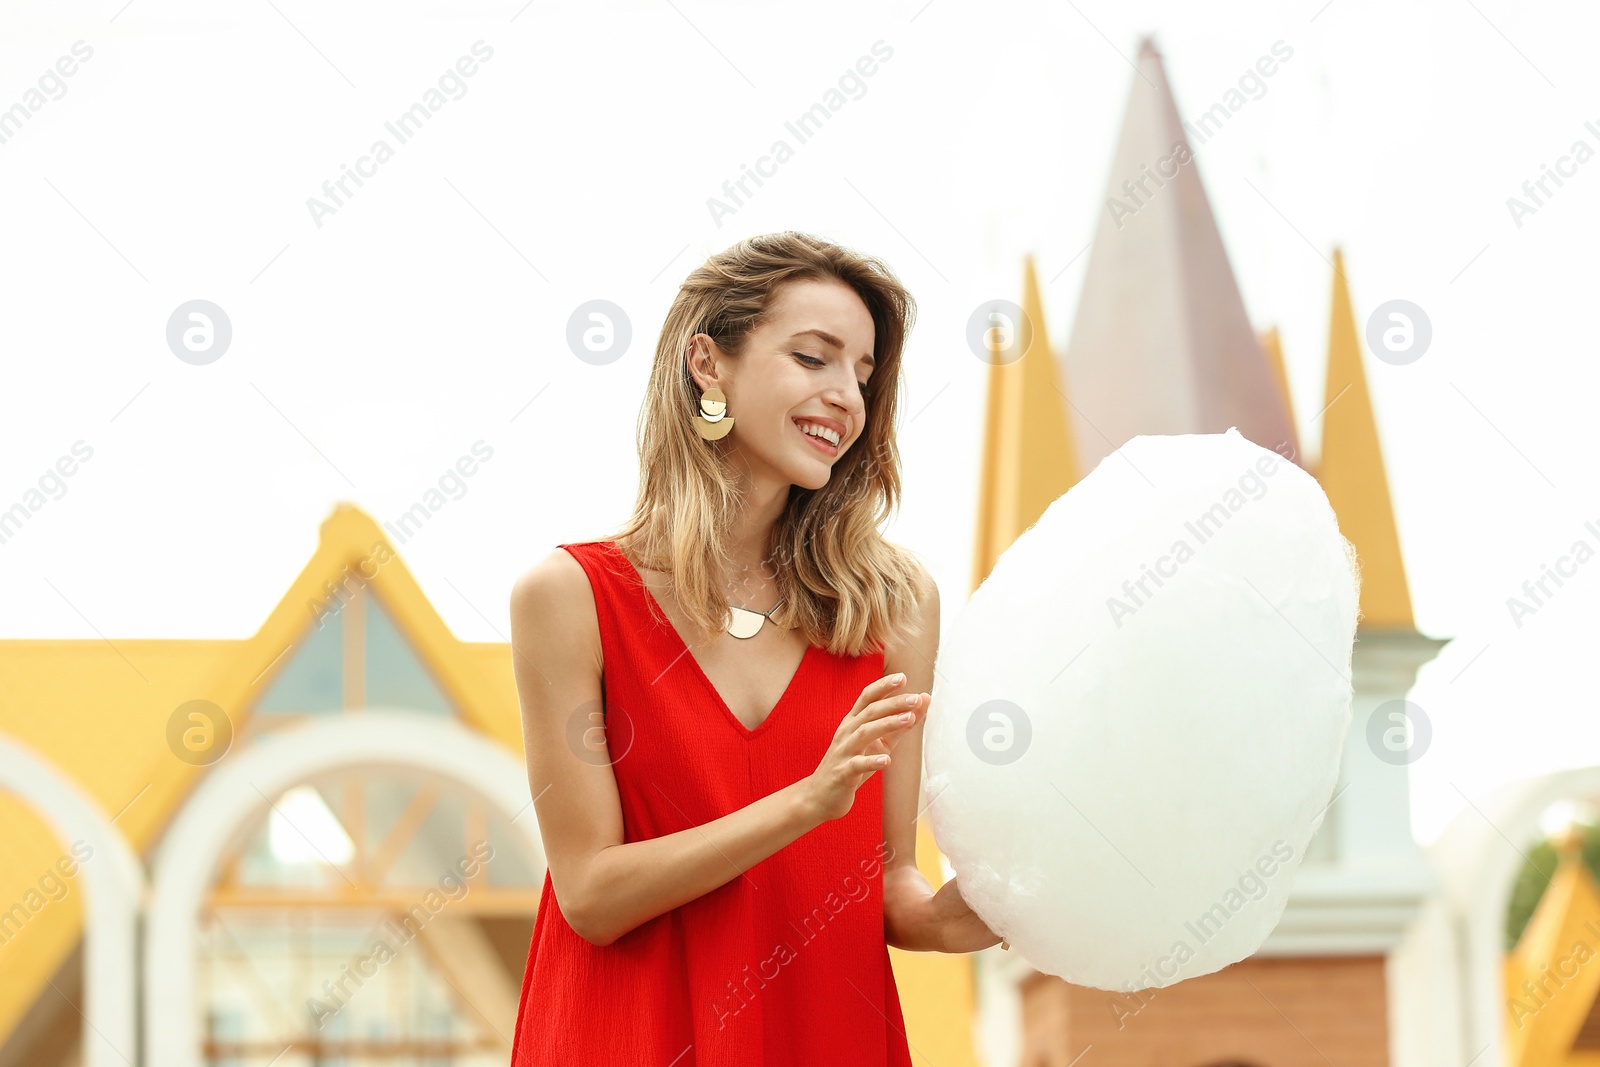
x=1125 y=777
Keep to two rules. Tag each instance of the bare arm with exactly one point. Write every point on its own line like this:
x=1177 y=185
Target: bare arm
x=606 y=887
x=915 y=916
x=908 y=917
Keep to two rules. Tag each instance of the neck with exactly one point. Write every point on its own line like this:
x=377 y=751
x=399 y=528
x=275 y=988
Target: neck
x=762 y=503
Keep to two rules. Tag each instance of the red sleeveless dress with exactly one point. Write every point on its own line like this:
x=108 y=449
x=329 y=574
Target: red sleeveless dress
x=784 y=965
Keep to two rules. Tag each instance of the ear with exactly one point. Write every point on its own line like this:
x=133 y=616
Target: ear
x=704 y=359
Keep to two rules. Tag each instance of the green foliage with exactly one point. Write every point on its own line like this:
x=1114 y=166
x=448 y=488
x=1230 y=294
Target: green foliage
x=1534 y=877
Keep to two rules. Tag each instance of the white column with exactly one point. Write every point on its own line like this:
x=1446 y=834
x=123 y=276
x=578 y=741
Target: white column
x=113 y=884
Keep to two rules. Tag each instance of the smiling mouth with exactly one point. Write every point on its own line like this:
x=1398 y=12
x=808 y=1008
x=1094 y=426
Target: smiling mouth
x=821 y=444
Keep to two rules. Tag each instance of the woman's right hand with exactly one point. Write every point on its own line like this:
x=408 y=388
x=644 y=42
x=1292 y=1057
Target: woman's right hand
x=862 y=743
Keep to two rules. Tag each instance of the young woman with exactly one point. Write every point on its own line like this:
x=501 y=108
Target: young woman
x=722 y=703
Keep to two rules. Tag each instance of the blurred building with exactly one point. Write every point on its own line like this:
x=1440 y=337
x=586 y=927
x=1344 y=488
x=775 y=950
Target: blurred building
x=1385 y=954
x=312 y=846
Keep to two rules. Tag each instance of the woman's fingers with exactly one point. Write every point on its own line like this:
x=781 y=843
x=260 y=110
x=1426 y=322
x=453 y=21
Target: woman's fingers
x=862 y=742
x=881 y=701
x=897 y=704
x=891 y=716
x=877 y=690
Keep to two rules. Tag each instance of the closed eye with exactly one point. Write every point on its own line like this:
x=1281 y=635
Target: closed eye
x=813 y=361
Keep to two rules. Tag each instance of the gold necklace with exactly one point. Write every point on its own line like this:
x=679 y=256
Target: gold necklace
x=747 y=622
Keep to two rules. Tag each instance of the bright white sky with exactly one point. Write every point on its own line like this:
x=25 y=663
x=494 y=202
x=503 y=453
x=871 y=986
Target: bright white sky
x=429 y=312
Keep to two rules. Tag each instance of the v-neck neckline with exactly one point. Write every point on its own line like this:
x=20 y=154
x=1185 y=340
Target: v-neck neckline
x=684 y=652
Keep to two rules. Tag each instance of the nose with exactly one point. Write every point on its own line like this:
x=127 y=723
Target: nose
x=848 y=400
x=849 y=412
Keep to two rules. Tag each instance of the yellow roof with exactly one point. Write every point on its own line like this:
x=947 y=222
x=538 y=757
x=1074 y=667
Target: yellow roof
x=1028 y=457
x=1272 y=345
x=98 y=710
x=1556 y=959
x=1351 y=469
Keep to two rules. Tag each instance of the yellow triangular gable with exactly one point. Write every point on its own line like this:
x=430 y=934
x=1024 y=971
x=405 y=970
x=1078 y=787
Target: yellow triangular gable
x=1028 y=457
x=98 y=710
x=1351 y=468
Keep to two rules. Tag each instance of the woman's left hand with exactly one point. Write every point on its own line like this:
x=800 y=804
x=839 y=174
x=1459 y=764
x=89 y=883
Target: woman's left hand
x=959 y=927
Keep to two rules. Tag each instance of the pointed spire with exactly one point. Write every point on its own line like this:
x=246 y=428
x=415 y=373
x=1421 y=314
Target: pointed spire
x=1028 y=457
x=1351 y=469
x=1272 y=345
x=1161 y=343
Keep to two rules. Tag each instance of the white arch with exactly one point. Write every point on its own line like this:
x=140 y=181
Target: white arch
x=113 y=884
x=1478 y=865
x=185 y=865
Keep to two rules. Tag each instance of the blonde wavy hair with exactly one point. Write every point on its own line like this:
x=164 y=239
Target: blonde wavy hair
x=849 y=590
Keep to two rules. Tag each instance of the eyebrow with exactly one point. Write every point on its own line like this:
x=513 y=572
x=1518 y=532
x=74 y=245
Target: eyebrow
x=836 y=343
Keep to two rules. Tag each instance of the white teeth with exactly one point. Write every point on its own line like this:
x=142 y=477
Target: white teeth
x=819 y=431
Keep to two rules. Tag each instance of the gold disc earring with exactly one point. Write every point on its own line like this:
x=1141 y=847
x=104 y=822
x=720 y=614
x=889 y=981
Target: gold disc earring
x=713 y=422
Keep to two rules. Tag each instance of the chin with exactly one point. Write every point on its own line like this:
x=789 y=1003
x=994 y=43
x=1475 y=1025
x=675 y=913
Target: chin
x=811 y=476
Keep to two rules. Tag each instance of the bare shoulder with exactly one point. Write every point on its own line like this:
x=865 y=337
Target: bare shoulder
x=927 y=591
x=921 y=638
x=555 y=584
x=552 y=605
x=928 y=594
x=928 y=607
